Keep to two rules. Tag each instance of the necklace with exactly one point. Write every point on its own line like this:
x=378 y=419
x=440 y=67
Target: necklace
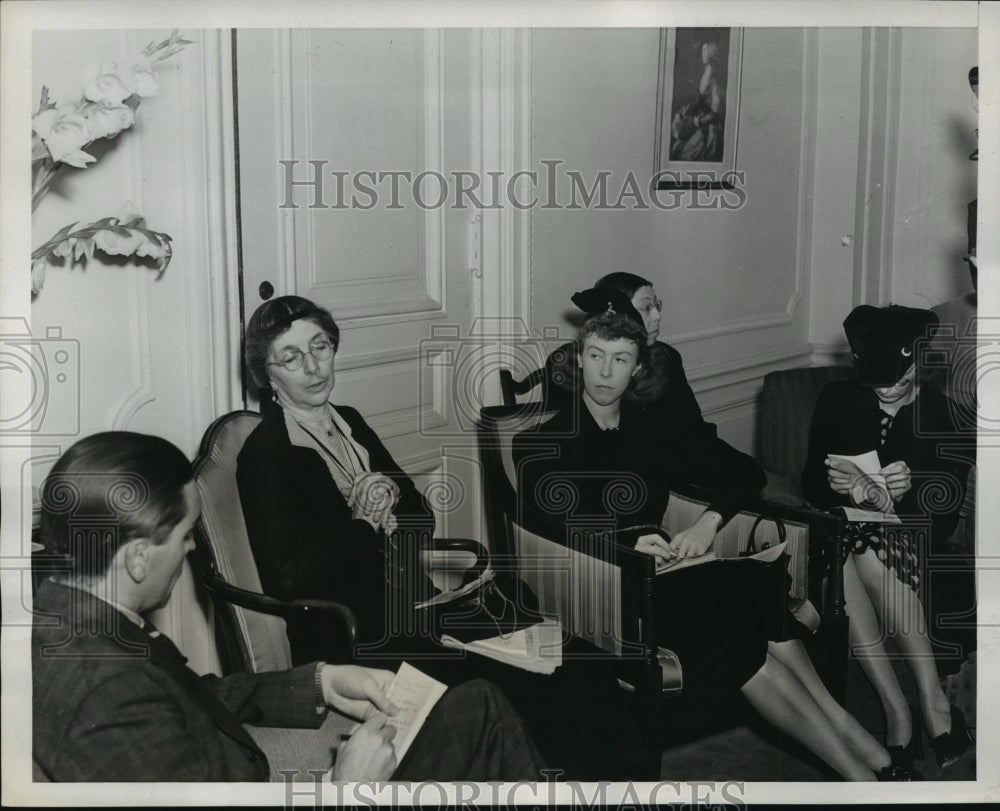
x=351 y=464
x=325 y=423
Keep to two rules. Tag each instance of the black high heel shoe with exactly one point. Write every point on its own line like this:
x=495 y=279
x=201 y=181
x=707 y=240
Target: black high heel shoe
x=954 y=743
x=898 y=774
x=904 y=756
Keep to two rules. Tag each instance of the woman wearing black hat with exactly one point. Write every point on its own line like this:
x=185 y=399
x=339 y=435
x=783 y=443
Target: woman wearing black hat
x=602 y=460
x=887 y=412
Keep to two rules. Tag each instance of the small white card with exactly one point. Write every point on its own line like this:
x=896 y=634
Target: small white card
x=415 y=694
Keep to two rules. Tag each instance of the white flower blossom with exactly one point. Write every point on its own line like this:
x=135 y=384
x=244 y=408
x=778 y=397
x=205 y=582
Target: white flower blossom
x=107 y=122
x=64 y=133
x=102 y=84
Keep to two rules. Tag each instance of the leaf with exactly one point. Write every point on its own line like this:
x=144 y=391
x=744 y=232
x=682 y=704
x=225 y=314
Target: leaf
x=62 y=232
x=119 y=230
x=44 y=103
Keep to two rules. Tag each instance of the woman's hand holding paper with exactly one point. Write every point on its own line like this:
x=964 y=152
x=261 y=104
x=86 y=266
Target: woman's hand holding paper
x=897 y=479
x=697 y=539
x=656 y=546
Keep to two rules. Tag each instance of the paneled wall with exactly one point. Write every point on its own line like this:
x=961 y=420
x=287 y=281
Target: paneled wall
x=148 y=355
x=732 y=281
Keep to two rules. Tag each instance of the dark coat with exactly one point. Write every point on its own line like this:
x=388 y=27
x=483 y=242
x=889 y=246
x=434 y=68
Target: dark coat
x=624 y=475
x=923 y=434
x=306 y=542
x=111 y=702
x=662 y=391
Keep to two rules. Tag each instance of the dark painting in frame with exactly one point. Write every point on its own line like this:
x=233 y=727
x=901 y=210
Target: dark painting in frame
x=698 y=105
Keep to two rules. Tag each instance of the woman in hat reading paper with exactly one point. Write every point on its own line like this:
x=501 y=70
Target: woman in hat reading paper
x=876 y=444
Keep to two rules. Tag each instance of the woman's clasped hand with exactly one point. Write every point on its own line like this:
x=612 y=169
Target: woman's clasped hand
x=373 y=498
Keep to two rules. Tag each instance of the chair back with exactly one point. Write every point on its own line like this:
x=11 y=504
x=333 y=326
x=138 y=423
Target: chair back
x=511 y=388
x=251 y=641
x=788 y=400
x=595 y=589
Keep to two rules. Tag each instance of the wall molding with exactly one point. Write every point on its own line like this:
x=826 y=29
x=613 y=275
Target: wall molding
x=757 y=361
x=222 y=232
x=876 y=182
x=144 y=391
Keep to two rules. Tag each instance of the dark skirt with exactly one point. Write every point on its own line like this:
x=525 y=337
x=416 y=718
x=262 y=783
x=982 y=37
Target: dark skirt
x=719 y=617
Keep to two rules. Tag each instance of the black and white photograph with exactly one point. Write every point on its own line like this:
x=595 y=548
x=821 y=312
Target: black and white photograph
x=497 y=404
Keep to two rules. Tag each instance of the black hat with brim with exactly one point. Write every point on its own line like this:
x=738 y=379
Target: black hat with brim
x=883 y=340
x=607 y=301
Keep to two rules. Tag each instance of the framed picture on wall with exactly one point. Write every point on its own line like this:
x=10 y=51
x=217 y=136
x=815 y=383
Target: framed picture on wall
x=698 y=107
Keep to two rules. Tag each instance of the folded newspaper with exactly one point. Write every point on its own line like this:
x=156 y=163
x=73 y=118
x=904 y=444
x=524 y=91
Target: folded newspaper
x=537 y=648
x=767 y=555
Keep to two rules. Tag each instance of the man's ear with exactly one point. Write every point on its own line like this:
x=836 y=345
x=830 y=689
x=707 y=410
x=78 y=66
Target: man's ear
x=136 y=558
x=638 y=366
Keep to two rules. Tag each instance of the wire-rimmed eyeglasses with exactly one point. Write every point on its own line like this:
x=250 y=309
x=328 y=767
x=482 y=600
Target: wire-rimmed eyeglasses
x=292 y=359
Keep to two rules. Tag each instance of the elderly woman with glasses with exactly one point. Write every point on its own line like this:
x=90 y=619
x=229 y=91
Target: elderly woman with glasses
x=322 y=497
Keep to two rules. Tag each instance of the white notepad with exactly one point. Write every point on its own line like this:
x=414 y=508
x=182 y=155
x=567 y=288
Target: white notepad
x=415 y=694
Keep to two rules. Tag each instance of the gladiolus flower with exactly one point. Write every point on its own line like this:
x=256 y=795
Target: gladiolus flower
x=140 y=77
x=64 y=133
x=116 y=244
x=107 y=122
x=102 y=84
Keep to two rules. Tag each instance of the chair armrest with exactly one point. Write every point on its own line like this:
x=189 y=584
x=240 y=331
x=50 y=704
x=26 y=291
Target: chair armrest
x=462 y=545
x=255 y=601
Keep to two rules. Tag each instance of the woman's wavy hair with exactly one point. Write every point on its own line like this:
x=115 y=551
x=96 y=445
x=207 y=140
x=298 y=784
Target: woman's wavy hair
x=644 y=386
x=272 y=319
x=108 y=489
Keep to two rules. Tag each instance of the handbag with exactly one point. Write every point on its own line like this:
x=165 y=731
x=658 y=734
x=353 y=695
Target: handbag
x=751 y=547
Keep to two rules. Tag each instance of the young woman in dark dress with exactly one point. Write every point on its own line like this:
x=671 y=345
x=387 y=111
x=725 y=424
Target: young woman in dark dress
x=886 y=410
x=604 y=459
x=663 y=391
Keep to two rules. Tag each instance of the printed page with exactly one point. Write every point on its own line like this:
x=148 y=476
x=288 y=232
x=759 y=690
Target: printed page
x=415 y=694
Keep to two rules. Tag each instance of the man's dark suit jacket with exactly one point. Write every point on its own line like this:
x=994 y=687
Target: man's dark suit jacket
x=112 y=702
x=305 y=540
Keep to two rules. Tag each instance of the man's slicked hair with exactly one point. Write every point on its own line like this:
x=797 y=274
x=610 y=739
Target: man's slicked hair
x=108 y=489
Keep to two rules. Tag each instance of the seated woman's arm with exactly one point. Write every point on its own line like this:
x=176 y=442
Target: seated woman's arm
x=825 y=437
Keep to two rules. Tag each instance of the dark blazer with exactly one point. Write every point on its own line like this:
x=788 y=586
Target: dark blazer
x=306 y=542
x=923 y=434
x=111 y=702
x=625 y=474
x=664 y=394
